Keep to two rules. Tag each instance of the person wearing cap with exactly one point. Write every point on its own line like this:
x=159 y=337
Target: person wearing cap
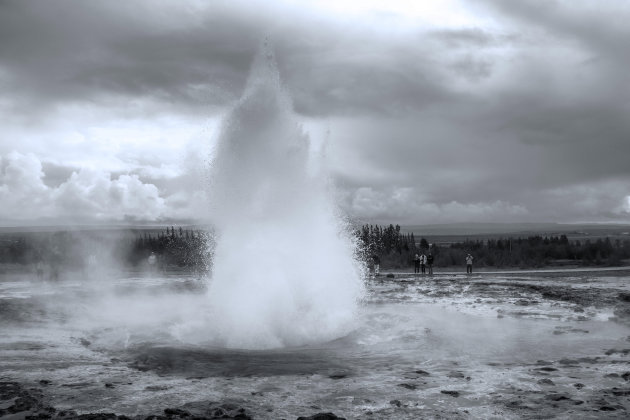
x=469 y=262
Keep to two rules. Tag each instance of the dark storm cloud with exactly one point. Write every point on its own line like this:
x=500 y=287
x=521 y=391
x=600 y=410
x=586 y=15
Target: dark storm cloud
x=514 y=118
x=66 y=51
x=52 y=52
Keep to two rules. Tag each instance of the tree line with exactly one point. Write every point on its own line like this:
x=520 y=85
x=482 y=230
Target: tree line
x=181 y=247
x=397 y=250
x=77 y=249
x=191 y=248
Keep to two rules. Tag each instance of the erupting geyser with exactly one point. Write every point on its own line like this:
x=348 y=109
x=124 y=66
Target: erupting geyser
x=284 y=268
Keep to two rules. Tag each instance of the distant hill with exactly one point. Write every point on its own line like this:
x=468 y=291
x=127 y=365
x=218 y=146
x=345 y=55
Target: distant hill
x=455 y=232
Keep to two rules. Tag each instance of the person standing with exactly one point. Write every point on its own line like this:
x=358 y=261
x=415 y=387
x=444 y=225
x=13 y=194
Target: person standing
x=469 y=263
x=152 y=260
x=430 y=263
x=377 y=264
x=423 y=263
x=416 y=264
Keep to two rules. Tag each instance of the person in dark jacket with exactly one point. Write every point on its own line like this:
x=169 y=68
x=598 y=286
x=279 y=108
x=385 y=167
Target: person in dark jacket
x=416 y=264
x=430 y=262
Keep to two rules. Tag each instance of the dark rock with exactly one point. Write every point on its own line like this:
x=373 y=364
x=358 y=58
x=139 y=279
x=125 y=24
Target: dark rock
x=390 y=276
x=556 y=397
x=176 y=412
x=614 y=351
x=422 y=372
x=545 y=381
x=451 y=393
x=408 y=386
x=626 y=376
x=621 y=392
x=322 y=416
x=84 y=342
x=17 y=399
x=455 y=374
x=578 y=385
x=624 y=297
x=156 y=388
x=44 y=382
x=98 y=416
x=109 y=385
x=546 y=369
x=397 y=403
x=337 y=376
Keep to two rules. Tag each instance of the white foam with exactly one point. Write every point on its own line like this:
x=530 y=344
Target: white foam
x=284 y=272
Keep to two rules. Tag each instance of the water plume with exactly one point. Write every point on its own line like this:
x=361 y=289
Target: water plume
x=284 y=272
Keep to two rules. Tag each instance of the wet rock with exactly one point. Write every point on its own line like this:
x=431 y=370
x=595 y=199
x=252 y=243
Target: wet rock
x=451 y=393
x=578 y=385
x=390 y=276
x=156 y=388
x=337 y=376
x=44 y=382
x=176 y=412
x=408 y=386
x=322 y=416
x=557 y=397
x=422 y=372
x=109 y=385
x=624 y=297
x=545 y=381
x=84 y=342
x=98 y=416
x=615 y=351
x=626 y=376
x=397 y=403
x=620 y=392
x=456 y=374
x=578 y=330
x=546 y=369
x=17 y=399
x=228 y=411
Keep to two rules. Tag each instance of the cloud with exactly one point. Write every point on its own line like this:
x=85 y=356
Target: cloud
x=87 y=195
x=407 y=205
x=475 y=107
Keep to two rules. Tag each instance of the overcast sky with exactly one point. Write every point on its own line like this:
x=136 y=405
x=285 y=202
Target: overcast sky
x=434 y=112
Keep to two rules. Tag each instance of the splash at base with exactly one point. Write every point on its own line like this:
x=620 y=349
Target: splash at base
x=284 y=270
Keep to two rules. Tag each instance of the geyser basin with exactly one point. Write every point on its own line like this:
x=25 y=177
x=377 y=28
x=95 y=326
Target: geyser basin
x=456 y=347
x=284 y=268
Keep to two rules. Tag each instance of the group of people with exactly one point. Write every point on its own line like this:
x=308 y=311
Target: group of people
x=421 y=262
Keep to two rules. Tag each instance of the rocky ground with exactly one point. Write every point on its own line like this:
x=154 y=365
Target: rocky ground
x=18 y=402
x=592 y=384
